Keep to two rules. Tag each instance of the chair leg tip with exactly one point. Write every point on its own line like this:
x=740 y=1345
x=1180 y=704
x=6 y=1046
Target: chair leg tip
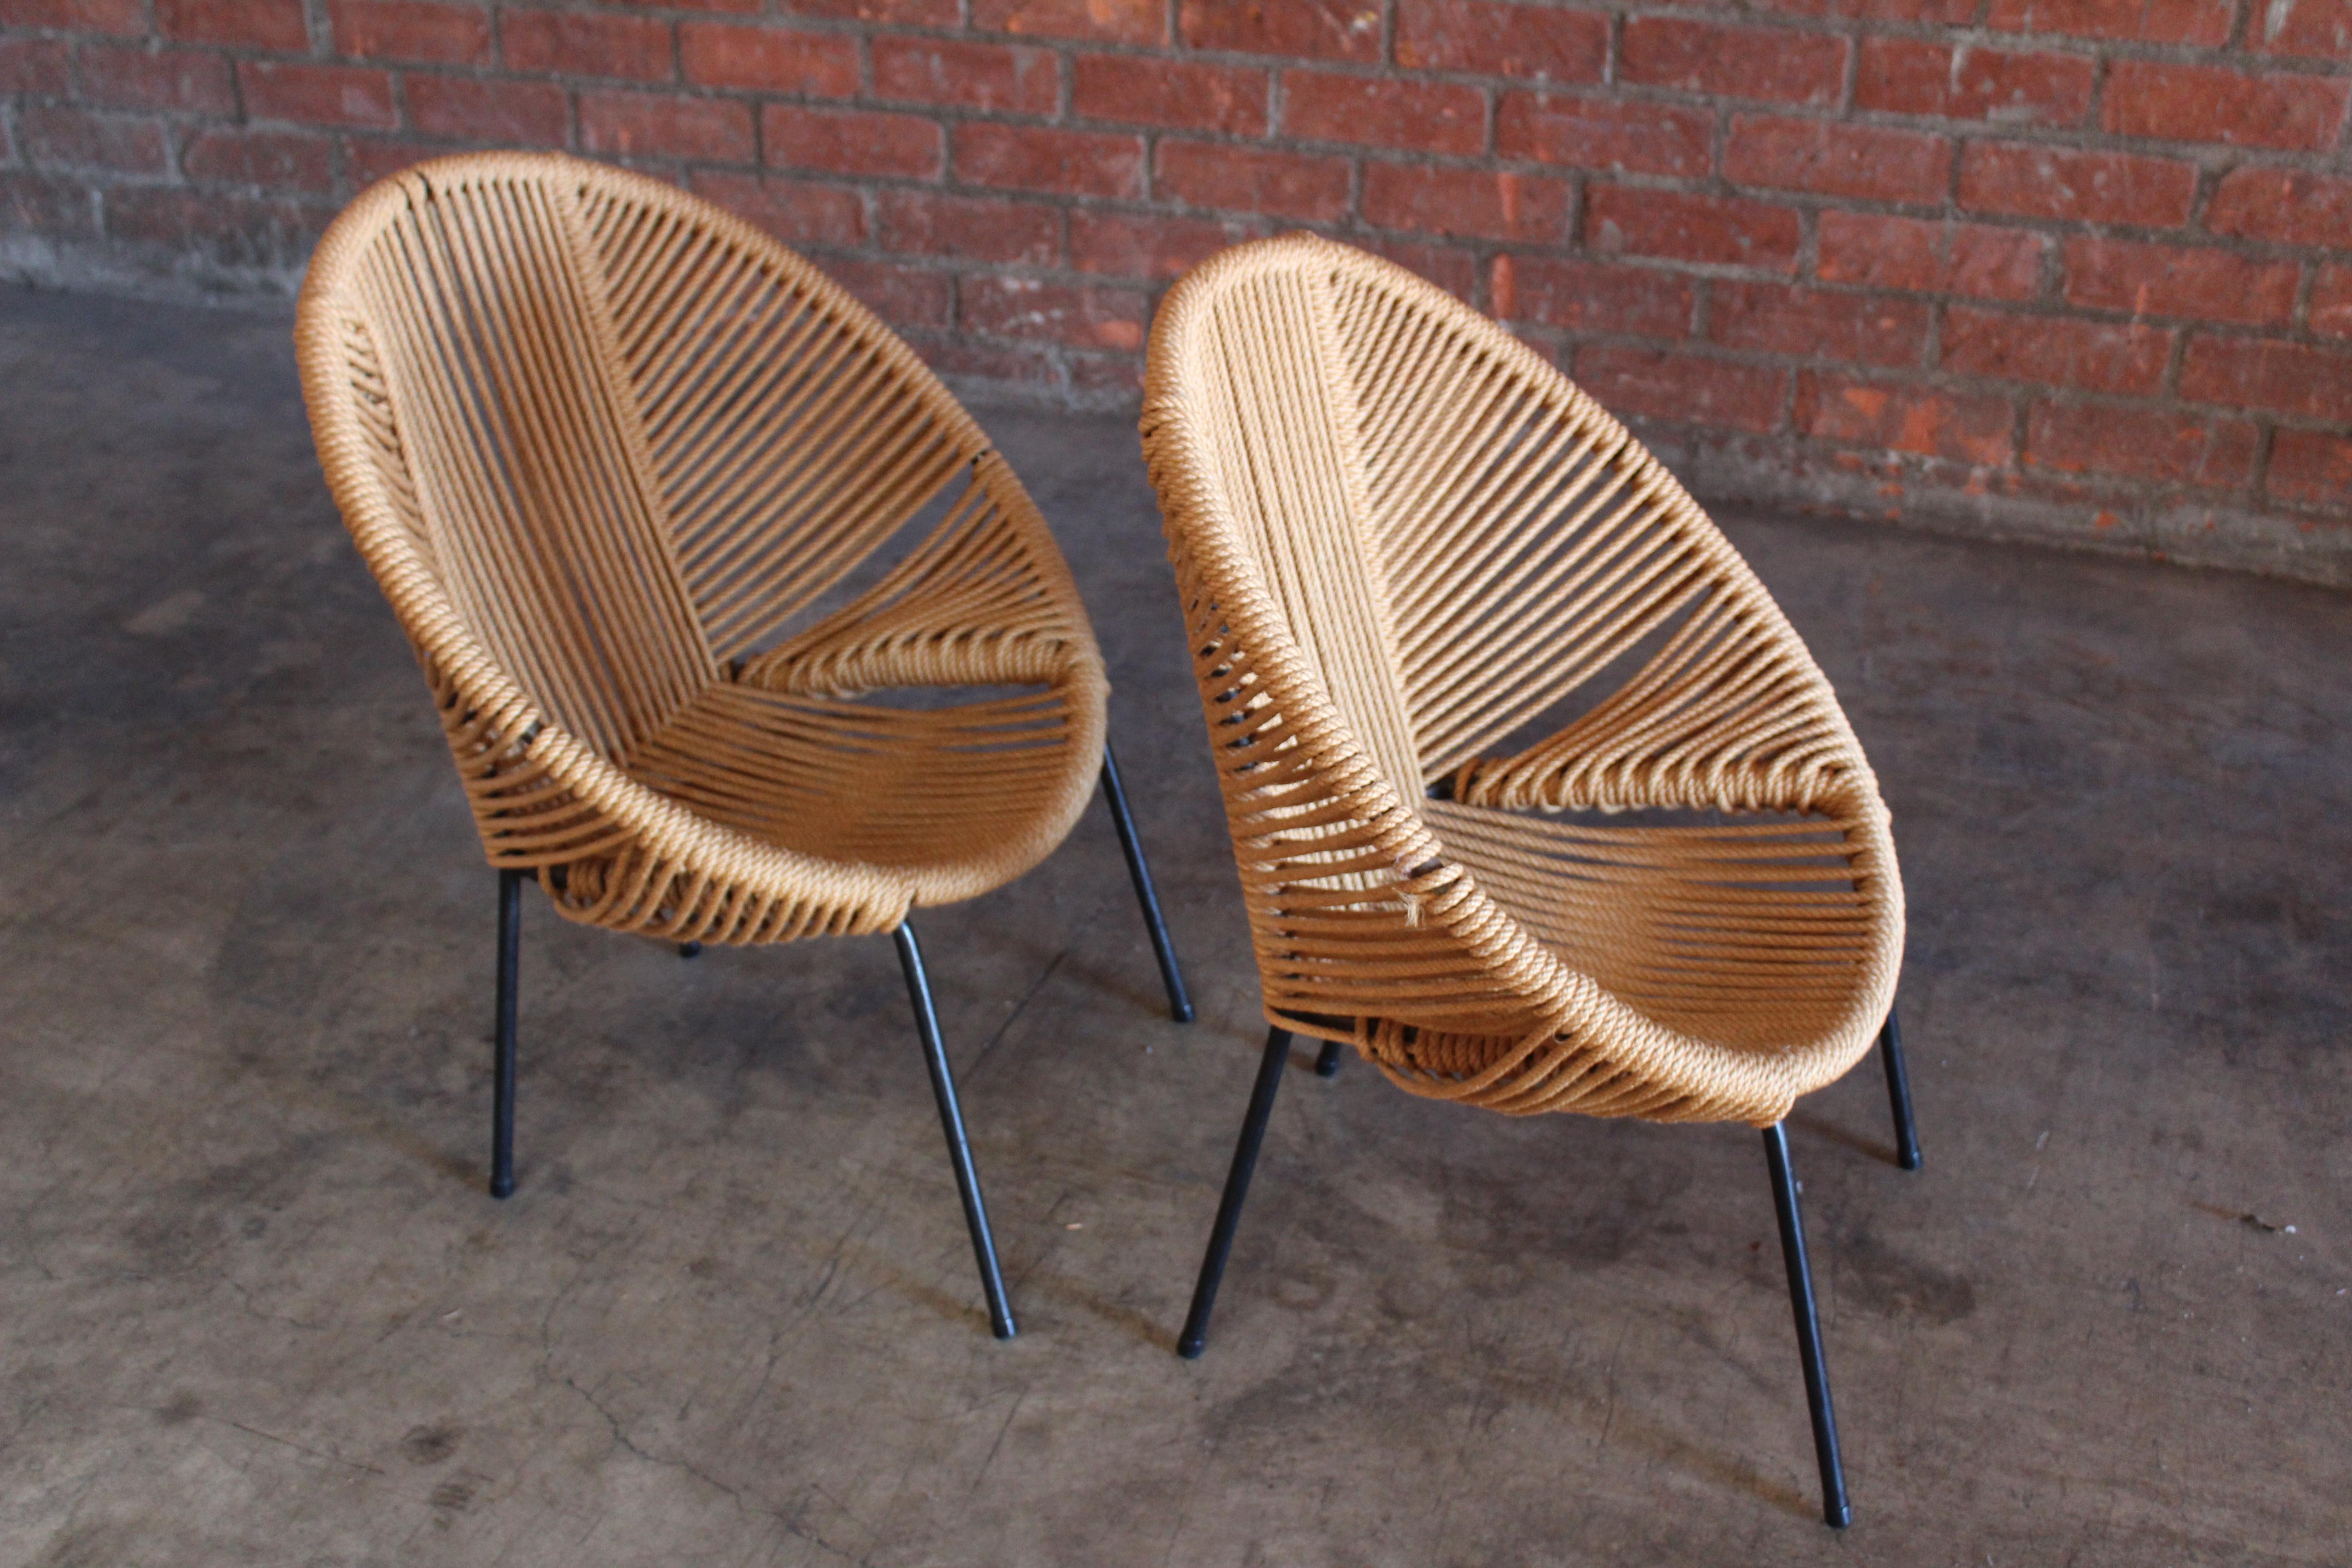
x=502 y=1187
x=1182 y=1013
x=1838 y=1518
x=689 y=950
x=1910 y=1160
x=1007 y=1329
x=1191 y=1349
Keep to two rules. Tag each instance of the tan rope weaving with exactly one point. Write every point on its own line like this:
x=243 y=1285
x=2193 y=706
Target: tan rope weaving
x=630 y=473
x=1401 y=539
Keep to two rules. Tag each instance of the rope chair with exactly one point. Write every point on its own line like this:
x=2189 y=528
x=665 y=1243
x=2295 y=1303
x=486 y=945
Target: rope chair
x=1538 y=801
x=695 y=552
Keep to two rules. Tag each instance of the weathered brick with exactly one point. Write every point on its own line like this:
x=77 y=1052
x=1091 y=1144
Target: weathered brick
x=1542 y=42
x=1112 y=21
x=1025 y=157
x=568 y=43
x=515 y=113
x=2205 y=103
x=2283 y=204
x=195 y=81
x=240 y=24
x=1526 y=208
x=354 y=96
x=663 y=125
x=1726 y=230
x=1604 y=133
x=1929 y=256
x=1023 y=364
x=42 y=65
x=411 y=30
x=768 y=59
x=903 y=296
x=1117 y=376
x=2317 y=29
x=2200 y=22
x=2204 y=285
x=1124 y=244
x=2033 y=181
x=120 y=17
x=2312 y=466
x=367 y=159
x=2057 y=351
x=852 y=142
x=1938 y=13
x=1145 y=90
x=268 y=230
x=279 y=161
x=58 y=205
x=1865 y=161
x=1321 y=30
x=1775 y=63
x=1590 y=297
x=888 y=13
x=1244 y=179
x=2140 y=444
x=1859 y=328
x=2263 y=373
x=1451 y=267
x=976 y=229
x=1962 y=427
x=1084 y=316
x=795 y=211
x=1661 y=385
x=1011 y=78
x=58 y=137
x=1913 y=76
x=2331 y=300
x=1421 y=116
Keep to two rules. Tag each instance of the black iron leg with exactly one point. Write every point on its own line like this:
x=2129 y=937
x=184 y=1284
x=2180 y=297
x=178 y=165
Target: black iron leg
x=1229 y=1208
x=935 y=1058
x=502 y=1068
x=1835 y=1509
x=1327 y=1060
x=689 y=950
x=1898 y=1093
x=1179 y=1005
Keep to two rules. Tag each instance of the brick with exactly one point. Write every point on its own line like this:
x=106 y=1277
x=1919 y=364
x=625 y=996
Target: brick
x=240 y=24
x=567 y=43
x=1024 y=364
x=1139 y=91
x=1120 y=375
x=270 y=230
x=411 y=30
x=972 y=76
x=193 y=81
x=2283 y=204
x=889 y=13
x=1083 y=316
x=1858 y=329
x=2203 y=103
x=1726 y=230
x=1865 y=161
x=768 y=59
x=1962 y=427
x=519 y=113
x=2331 y=300
x=1938 y=13
x=2263 y=373
x=2201 y=22
x=278 y=160
x=976 y=229
x=663 y=125
x=2033 y=181
x=1542 y=42
x=1111 y=21
x=1320 y=29
x=1604 y=133
x=2170 y=281
x=902 y=296
x=1929 y=256
x=1774 y=63
x=1073 y=162
x=122 y=16
x=1682 y=387
x=40 y=65
x=1243 y=179
x=1450 y=269
x=58 y=137
x=2313 y=466
x=1912 y=76
x=793 y=211
x=2140 y=444
x=1121 y=245
x=55 y=205
x=2057 y=351
x=1590 y=297
x=1423 y=116
x=317 y=95
x=367 y=159
x=2318 y=30
x=1478 y=204
x=852 y=142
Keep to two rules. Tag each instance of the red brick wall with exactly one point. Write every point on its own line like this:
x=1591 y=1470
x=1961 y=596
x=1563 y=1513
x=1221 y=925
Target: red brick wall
x=2068 y=268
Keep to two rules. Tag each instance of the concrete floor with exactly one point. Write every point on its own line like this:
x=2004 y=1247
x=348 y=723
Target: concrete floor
x=256 y=1308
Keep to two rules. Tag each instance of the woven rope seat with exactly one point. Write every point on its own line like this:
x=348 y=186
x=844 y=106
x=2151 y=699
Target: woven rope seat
x=1401 y=540
x=617 y=459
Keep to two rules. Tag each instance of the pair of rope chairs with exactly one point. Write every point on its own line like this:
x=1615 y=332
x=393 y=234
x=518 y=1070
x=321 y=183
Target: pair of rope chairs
x=639 y=483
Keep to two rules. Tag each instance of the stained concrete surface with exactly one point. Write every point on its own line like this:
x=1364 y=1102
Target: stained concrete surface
x=256 y=1308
